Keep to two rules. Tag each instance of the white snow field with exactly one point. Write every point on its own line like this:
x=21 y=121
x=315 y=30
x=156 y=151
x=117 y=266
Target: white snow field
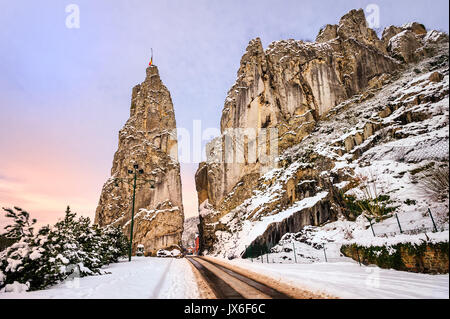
x=349 y=280
x=147 y=277
x=143 y=277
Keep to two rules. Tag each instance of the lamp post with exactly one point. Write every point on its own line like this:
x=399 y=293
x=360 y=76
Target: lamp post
x=135 y=171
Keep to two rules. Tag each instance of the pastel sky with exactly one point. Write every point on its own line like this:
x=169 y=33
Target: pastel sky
x=65 y=93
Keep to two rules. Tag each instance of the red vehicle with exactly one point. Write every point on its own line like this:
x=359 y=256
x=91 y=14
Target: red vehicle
x=197 y=244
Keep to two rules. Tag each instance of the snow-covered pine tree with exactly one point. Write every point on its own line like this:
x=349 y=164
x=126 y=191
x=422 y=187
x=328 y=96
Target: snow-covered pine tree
x=54 y=253
x=114 y=244
x=22 y=226
x=16 y=261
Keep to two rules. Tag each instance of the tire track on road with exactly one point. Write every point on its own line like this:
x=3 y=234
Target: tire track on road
x=221 y=289
x=227 y=284
x=158 y=287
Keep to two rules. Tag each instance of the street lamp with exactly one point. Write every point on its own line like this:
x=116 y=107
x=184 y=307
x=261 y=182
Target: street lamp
x=135 y=171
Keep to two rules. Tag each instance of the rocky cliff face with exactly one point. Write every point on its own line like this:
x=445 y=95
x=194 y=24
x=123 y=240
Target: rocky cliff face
x=293 y=86
x=190 y=231
x=149 y=140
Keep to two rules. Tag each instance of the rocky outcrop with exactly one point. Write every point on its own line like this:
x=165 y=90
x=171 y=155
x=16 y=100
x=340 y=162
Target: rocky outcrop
x=411 y=42
x=291 y=86
x=427 y=257
x=315 y=215
x=149 y=140
x=190 y=231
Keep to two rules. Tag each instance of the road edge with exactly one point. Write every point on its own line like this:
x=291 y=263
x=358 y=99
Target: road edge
x=204 y=289
x=292 y=291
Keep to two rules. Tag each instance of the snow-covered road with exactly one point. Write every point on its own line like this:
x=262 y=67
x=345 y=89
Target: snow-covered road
x=144 y=277
x=147 y=277
x=349 y=280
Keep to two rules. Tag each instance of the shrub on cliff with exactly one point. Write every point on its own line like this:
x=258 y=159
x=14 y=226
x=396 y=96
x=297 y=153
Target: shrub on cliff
x=435 y=182
x=372 y=201
x=70 y=247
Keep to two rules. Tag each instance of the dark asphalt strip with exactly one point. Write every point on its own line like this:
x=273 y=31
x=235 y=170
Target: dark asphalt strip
x=221 y=289
x=273 y=293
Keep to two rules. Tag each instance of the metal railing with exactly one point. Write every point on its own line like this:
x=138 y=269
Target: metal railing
x=264 y=254
x=401 y=228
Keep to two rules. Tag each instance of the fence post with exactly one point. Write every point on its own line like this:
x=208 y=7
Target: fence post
x=251 y=254
x=247 y=252
x=325 y=253
x=432 y=219
x=399 y=226
x=359 y=259
x=295 y=255
x=371 y=227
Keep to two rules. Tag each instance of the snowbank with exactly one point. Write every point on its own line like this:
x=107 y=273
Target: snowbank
x=143 y=277
x=349 y=280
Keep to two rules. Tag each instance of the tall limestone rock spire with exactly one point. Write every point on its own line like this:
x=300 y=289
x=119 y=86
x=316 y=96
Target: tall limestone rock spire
x=149 y=140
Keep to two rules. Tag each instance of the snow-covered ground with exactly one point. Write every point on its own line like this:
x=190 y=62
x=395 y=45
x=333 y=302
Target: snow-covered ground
x=143 y=277
x=320 y=244
x=147 y=277
x=349 y=280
